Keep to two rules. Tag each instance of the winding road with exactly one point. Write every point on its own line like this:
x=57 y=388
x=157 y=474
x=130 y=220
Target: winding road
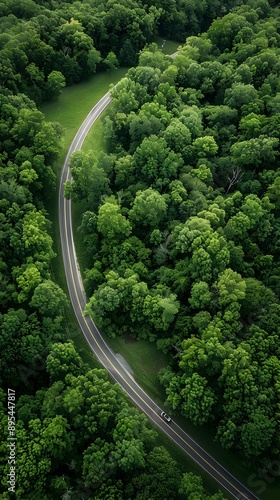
x=101 y=350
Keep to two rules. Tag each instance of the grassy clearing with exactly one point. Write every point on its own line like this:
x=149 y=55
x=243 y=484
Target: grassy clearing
x=145 y=361
x=167 y=46
x=76 y=101
x=95 y=138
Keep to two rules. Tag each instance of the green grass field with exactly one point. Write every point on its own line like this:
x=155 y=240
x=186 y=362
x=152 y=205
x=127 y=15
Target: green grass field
x=143 y=357
x=145 y=360
x=95 y=138
x=76 y=101
x=167 y=46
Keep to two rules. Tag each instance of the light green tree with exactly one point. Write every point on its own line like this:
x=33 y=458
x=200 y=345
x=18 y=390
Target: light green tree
x=149 y=209
x=111 y=223
x=231 y=287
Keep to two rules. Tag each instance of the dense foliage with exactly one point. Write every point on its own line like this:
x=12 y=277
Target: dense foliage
x=76 y=433
x=45 y=44
x=31 y=306
x=79 y=438
x=183 y=223
x=181 y=227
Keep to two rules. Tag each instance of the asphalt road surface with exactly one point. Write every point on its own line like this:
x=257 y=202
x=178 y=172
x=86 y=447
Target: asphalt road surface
x=101 y=350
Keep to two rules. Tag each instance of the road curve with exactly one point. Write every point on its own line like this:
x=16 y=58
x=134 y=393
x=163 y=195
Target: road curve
x=101 y=350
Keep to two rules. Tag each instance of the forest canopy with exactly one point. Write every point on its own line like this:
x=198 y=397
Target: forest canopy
x=182 y=224
x=47 y=44
x=181 y=230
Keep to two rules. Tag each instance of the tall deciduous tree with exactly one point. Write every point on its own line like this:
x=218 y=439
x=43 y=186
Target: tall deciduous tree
x=149 y=208
x=62 y=360
x=48 y=299
x=111 y=223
